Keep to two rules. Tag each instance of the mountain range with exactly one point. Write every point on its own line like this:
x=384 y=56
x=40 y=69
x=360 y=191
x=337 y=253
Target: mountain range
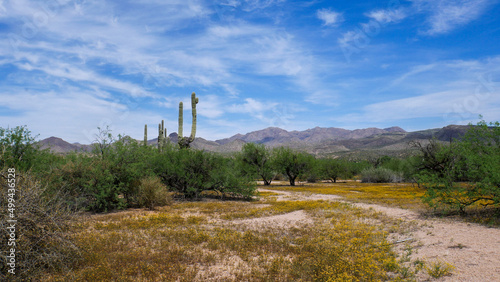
x=318 y=141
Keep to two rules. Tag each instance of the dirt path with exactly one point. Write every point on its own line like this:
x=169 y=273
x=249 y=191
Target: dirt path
x=473 y=249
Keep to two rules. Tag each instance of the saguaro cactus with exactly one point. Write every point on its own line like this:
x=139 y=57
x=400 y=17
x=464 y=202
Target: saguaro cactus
x=162 y=135
x=185 y=141
x=145 y=135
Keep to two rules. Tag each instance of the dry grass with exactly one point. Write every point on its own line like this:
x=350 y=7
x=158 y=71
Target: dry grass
x=217 y=240
x=402 y=195
x=199 y=241
x=39 y=241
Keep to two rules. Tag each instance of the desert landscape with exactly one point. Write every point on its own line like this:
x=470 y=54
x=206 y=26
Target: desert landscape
x=128 y=210
x=249 y=140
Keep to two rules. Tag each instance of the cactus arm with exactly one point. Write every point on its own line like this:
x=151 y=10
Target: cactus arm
x=159 y=137
x=181 y=121
x=185 y=141
x=164 y=137
x=194 y=101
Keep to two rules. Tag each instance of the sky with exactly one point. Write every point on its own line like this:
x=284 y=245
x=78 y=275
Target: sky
x=68 y=67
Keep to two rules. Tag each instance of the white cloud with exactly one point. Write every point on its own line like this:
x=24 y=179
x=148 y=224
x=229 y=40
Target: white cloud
x=250 y=106
x=103 y=31
x=329 y=17
x=446 y=15
x=256 y=109
x=324 y=97
x=416 y=70
x=251 y=5
x=387 y=16
x=355 y=37
x=453 y=106
x=235 y=30
x=74 y=115
x=354 y=40
x=452 y=92
x=3 y=10
x=210 y=106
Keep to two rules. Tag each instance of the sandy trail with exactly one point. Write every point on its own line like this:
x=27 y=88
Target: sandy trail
x=473 y=249
x=282 y=220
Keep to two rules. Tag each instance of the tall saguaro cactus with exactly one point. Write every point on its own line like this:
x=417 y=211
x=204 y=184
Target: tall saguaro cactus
x=185 y=141
x=162 y=135
x=162 y=131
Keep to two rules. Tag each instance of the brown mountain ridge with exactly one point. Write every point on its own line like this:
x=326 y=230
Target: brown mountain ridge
x=318 y=141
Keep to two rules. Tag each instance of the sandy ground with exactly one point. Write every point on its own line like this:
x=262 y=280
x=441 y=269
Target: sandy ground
x=473 y=249
x=280 y=221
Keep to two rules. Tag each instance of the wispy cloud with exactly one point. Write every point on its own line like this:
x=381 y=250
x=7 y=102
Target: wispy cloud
x=357 y=39
x=329 y=17
x=448 y=91
x=253 y=62
x=414 y=71
x=76 y=113
x=388 y=15
x=445 y=16
x=250 y=5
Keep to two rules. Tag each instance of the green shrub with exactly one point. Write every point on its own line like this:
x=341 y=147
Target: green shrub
x=130 y=162
x=380 y=175
x=406 y=167
x=152 y=193
x=18 y=149
x=88 y=183
x=190 y=172
x=227 y=180
x=439 y=269
x=104 y=181
x=354 y=168
x=470 y=173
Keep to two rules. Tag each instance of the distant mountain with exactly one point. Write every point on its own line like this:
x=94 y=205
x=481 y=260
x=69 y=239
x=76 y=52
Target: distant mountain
x=58 y=145
x=394 y=129
x=274 y=136
x=317 y=141
x=389 y=143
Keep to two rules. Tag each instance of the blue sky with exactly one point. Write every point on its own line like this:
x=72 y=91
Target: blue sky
x=68 y=67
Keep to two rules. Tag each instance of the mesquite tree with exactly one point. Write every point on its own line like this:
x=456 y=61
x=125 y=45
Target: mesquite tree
x=256 y=160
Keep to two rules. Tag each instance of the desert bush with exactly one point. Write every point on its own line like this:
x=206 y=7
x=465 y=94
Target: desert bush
x=18 y=149
x=41 y=228
x=380 y=175
x=152 y=193
x=404 y=166
x=354 y=168
x=105 y=180
x=228 y=181
x=190 y=172
x=439 y=269
x=471 y=173
x=88 y=183
x=130 y=162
